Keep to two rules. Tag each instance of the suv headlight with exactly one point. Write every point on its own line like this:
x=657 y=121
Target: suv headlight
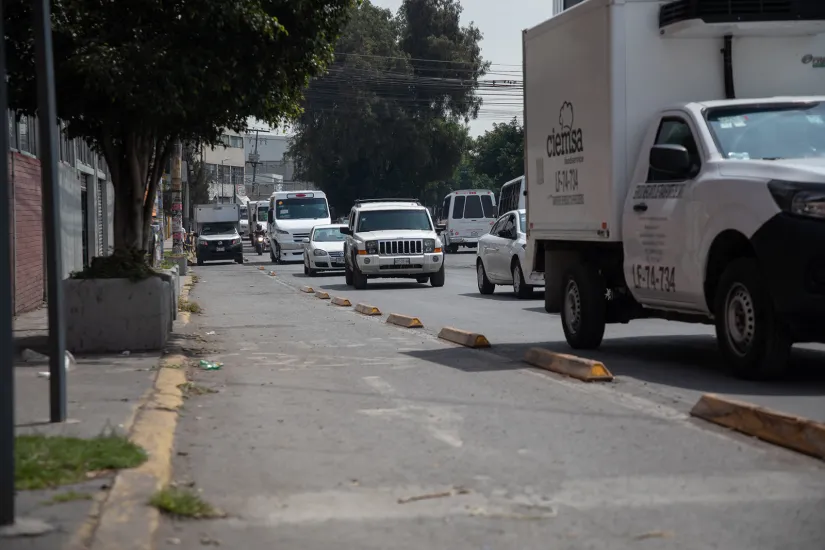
x=429 y=246
x=371 y=247
x=319 y=252
x=800 y=199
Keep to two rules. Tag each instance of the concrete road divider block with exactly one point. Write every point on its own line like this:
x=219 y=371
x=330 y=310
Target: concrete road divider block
x=307 y=289
x=579 y=368
x=404 y=321
x=464 y=338
x=343 y=302
x=261 y=268
x=322 y=295
x=271 y=273
x=792 y=432
x=365 y=309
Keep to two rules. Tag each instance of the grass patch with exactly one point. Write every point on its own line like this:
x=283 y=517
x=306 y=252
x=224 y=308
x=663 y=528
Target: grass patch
x=190 y=389
x=69 y=496
x=44 y=461
x=191 y=307
x=183 y=503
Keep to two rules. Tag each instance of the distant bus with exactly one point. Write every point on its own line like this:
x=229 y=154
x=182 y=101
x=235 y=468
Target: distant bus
x=512 y=196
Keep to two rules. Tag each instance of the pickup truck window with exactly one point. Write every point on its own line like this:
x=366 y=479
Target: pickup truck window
x=675 y=131
x=769 y=131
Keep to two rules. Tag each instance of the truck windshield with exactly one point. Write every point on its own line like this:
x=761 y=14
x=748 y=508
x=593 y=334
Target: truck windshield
x=301 y=209
x=218 y=228
x=769 y=132
x=389 y=220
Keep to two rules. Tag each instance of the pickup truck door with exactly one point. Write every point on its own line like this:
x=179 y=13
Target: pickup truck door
x=655 y=223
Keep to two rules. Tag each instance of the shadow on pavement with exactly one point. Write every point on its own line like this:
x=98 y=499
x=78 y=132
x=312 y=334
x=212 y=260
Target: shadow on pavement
x=503 y=296
x=466 y=360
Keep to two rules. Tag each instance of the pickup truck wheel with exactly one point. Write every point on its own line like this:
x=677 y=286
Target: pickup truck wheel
x=583 y=313
x=437 y=278
x=347 y=275
x=753 y=340
x=520 y=286
x=359 y=280
x=200 y=262
x=484 y=284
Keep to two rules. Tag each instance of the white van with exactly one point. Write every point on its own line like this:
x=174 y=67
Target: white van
x=292 y=215
x=465 y=216
x=512 y=196
x=258 y=217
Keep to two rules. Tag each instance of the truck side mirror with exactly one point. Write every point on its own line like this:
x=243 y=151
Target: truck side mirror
x=671 y=159
x=345 y=230
x=270 y=216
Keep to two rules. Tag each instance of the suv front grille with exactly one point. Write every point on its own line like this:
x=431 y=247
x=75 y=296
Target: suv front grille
x=401 y=246
x=299 y=237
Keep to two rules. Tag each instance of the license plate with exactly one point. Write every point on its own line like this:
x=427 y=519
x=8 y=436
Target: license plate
x=219 y=249
x=474 y=234
x=402 y=261
x=338 y=260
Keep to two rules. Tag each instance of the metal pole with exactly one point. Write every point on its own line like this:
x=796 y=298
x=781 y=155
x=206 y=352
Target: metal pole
x=6 y=311
x=47 y=121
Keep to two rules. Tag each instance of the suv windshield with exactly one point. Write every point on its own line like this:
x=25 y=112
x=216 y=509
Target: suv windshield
x=769 y=132
x=301 y=209
x=328 y=235
x=218 y=228
x=388 y=220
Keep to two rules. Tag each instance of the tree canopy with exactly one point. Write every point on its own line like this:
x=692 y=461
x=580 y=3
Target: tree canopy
x=134 y=77
x=498 y=154
x=389 y=117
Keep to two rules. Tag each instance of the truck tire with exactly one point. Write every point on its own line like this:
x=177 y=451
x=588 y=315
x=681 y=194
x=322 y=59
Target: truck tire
x=583 y=312
x=200 y=261
x=755 y=343
x=359 y=280
x=437 y=278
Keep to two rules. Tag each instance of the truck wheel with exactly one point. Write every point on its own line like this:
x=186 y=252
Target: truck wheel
x=272 y=254
x=484 y=284
x=239 y=259
x=277 y=253
x=583 y=311
x=347 y=275
x=200 y=262
x=437 y=278
x=520 y=286
x=755 y=343
x=359 y=280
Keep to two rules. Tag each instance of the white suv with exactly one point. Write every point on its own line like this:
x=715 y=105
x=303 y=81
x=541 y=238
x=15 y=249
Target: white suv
x=392 y=238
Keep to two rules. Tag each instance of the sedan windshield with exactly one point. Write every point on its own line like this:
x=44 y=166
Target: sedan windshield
x=328 y=235
x=218 y=228
x=769 y=132
x=388 y=220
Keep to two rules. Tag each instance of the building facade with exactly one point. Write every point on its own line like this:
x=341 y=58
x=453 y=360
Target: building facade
x=86 y=203
x=225 y=166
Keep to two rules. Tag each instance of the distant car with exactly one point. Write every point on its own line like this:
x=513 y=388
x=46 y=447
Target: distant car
x=324 y=249
x=500 y=257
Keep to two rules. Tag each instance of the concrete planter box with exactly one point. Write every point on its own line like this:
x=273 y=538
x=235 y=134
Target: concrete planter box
x=113 y=315
x=173 y=277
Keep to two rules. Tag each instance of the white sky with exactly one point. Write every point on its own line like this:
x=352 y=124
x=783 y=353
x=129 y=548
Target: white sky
x=501 y=23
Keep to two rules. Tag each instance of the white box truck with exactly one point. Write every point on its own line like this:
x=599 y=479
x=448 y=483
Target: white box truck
x=217 y=236
x=675 y=166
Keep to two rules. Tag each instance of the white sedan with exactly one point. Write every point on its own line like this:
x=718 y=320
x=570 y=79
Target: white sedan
x=324 y=249
x=500 y=257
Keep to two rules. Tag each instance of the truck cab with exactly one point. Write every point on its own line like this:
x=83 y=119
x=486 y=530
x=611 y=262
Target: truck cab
x=691 y=187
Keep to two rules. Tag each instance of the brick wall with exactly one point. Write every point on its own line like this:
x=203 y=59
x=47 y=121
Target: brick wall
x=28 y=233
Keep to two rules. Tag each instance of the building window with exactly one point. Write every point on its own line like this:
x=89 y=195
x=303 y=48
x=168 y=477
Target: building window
x=237 y=175
x=26 y=137
x=232 y=141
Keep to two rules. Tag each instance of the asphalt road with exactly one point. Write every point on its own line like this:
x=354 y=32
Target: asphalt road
x=667 y=362
x=332 y=430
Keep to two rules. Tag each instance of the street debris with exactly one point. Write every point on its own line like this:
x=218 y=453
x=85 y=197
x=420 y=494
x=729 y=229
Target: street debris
x=173 y=541
x=452 y=492
x=210 y=365
x=126 y=353
x=68 y=364
x=654 y=535
x=206 y=540
x=210 y=333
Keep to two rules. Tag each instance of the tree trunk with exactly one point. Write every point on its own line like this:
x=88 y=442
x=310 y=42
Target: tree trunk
x=128 y=215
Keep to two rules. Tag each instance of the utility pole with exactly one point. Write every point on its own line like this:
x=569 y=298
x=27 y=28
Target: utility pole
x=177 y=205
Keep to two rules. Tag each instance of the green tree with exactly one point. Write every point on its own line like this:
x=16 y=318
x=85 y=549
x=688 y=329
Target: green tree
x=134 y=77
x=387 y=119
x=499 y=153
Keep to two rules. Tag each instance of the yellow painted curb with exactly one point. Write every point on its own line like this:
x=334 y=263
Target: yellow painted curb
x=792 y=432
x=322 y=295
x=126 y=521
x=271 y=273
x=580 y=368
x=307 y=289
x=464 y=338
x=365 y=309
x=404 y=321
x=261 y=268
x=338 y=301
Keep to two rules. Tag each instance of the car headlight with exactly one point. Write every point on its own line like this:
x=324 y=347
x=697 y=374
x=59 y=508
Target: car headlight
x=319 y=252
x=281 y=232
x=800 y=199
x=429 y=246
x=371 y=247
x=260 y=238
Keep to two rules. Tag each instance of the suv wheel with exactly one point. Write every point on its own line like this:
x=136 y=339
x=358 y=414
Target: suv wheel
x=437 y=278
x=359 y=280
x=347 y=274
x=422 y=279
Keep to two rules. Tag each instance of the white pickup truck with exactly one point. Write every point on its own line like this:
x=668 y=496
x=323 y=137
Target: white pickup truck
x=675 y=163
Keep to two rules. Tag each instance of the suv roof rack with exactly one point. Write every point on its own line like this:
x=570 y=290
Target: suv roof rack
x=362 y=201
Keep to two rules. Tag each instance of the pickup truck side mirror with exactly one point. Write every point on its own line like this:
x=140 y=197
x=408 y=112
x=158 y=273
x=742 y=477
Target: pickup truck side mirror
x=306 y=240
x=671 y=159
x=345 y=231
x=440 y=228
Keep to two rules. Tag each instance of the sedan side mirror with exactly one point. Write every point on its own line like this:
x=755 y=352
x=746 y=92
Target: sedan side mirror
x=306 y=240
